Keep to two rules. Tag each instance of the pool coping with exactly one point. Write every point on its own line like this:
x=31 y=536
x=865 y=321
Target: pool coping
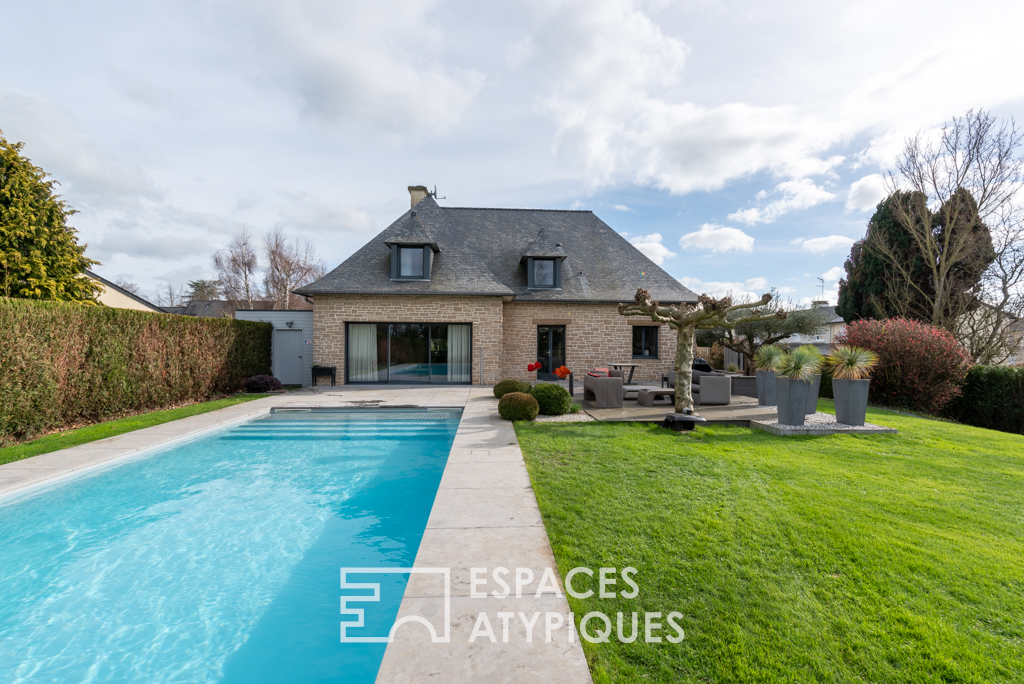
x=485 y=514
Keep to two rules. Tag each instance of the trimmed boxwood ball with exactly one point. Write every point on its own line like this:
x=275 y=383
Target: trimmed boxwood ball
x=518 y=406
x=506 y=386
x=554 y=400
x=258 y=384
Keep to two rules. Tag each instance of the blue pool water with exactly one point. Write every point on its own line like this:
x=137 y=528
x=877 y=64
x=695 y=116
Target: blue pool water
x=218 y=560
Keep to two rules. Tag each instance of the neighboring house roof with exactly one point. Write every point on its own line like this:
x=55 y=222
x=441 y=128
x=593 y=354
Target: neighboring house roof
x=481 y=251
x=831 y=316
x=113 y=293
x=209 y=308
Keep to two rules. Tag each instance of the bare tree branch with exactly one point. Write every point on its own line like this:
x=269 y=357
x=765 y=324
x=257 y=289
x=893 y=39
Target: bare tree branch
x=290 y=265
x=237 y=266
x=686 y=320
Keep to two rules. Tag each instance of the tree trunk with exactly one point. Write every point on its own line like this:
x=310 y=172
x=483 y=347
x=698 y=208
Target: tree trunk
x=748 y=364
x=684 y=366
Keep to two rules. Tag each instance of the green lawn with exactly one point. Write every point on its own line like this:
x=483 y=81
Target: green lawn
x=90 y=433
x=799 y=559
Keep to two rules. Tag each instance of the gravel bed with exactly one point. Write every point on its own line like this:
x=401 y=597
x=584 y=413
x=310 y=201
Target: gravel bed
x=821 y=421
x=580 y=417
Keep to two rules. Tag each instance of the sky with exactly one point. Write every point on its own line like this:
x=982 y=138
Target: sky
x=740 y=145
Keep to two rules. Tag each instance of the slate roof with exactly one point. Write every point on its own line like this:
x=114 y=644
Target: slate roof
x=482 y=250
x=831 y=316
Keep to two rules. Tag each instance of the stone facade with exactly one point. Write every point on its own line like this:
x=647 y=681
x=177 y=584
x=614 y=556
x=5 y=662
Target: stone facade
x=332 y=312
x=595 y=335
x=504 y=334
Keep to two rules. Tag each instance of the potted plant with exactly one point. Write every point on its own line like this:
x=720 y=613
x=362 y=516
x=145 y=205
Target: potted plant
x=793 y=384
x=851 y=367
x=812 y=395
x=766 y=361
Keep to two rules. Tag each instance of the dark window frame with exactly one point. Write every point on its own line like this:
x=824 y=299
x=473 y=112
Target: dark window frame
x=396 y=262
x=644 y=332
x=531 y=281
x=428 y=324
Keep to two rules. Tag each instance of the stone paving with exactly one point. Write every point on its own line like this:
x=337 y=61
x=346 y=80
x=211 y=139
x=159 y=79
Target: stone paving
x=485 y=515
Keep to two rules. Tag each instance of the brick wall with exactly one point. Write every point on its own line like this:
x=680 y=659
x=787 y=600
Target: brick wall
x=595 y=335
x=504 y=335
x=331 y=312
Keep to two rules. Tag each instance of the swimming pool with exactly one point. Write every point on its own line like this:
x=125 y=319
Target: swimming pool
x=218 y=559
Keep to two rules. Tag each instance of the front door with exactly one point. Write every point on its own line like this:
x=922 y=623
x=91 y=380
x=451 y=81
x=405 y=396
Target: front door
x=550 y=350
x=288 y=356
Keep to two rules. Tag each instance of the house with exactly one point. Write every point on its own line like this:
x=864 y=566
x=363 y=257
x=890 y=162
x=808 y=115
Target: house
x=834 y=324
x=1015 y=332
x=464 y=295
x=117 y=297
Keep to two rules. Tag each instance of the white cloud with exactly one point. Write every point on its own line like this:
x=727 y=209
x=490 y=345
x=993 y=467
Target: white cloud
x=866 y=193
x=621 y=207
x=796 y=195
x=825 y=244
x=751 y=288
x=651 y=247
x=718 y=239
x=376 y=64
x=57 y=143
x=833 y=275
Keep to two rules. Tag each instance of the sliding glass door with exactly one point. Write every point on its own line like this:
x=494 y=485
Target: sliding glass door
x=409 y=352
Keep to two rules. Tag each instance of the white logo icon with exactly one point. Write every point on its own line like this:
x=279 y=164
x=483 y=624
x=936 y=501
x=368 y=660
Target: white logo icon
x=375 y=598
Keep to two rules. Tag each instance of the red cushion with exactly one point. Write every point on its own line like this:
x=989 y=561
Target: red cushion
x=596 y=375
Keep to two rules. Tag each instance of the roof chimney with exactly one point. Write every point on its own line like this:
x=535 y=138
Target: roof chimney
x=416 y=193
x=819 y=303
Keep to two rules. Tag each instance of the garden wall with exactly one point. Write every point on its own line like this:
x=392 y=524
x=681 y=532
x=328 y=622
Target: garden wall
x=65 y=364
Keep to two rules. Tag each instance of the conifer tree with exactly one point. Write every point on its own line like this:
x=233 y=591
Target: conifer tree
x=40 y=257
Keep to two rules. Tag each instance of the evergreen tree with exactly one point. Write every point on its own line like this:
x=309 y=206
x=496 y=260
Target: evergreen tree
x=40 y=257
x=873 y=288
x=870 y=281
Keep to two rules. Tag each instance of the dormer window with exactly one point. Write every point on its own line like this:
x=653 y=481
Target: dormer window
x=544 y=273
x=411 y=265
x=411 y=262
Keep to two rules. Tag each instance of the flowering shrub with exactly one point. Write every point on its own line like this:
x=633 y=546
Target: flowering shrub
x=920 y=367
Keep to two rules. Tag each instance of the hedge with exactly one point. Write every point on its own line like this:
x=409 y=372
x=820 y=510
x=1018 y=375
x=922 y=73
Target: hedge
x=991 y=397
x=65 y=364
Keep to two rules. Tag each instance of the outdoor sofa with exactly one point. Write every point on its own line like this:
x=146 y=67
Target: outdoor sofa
x=710 y=389
x=603 y=388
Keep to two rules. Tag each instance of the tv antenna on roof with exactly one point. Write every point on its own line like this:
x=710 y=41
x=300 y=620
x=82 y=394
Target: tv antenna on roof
x=822 y=281
x=435 y=194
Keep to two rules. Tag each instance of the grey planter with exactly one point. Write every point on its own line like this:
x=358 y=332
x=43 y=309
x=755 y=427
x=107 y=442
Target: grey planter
x=766 y=388
x=851 y=397
x=812 y=396
x=792 y=398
